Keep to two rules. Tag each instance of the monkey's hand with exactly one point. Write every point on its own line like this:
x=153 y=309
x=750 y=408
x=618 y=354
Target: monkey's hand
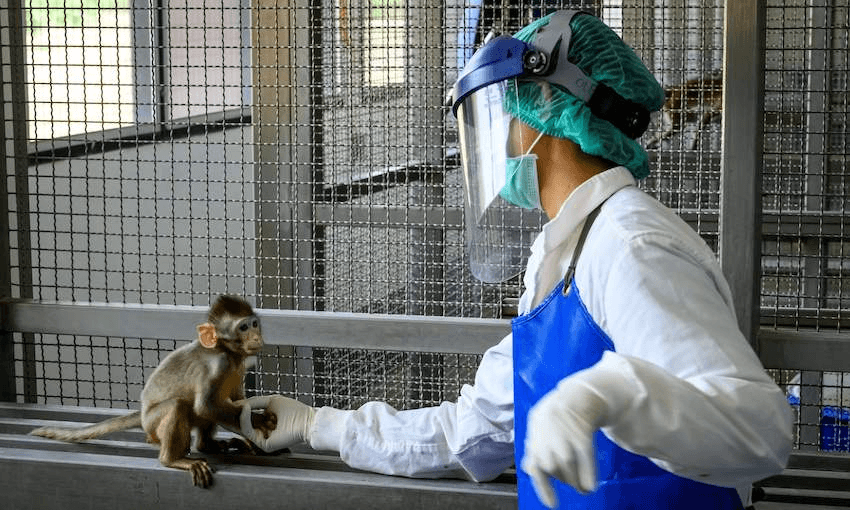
x=294 y=421
x=263 y=421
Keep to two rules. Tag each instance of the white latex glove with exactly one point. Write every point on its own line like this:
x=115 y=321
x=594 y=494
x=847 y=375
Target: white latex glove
x=559 y=439
x=294 y=420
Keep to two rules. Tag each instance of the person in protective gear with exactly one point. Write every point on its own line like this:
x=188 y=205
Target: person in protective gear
x=625 y=381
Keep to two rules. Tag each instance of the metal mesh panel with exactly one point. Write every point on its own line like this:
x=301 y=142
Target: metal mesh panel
x=820 y=403
x=806 y=132
x=348 y=378
x=168 y=222
x=86 y=371
x=804 y=253
x=288 y=154
x=299 y=154
x=110 y=372
x=687 y=48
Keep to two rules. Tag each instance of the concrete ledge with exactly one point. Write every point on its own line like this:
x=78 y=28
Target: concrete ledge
x=122 y=471
x=810 y=481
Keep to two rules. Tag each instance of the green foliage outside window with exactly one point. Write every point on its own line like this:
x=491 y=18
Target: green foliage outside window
x=67 y=13
x=387 y=8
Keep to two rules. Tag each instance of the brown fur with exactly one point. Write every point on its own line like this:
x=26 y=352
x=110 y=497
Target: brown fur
x=698 y=100
x=193 y=387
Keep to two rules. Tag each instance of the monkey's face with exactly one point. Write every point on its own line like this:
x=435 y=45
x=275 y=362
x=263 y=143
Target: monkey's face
x=242 y=336
x=249 y=332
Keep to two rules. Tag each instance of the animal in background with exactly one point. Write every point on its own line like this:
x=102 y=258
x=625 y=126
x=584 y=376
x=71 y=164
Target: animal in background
x=697 y=100
x=194 y=387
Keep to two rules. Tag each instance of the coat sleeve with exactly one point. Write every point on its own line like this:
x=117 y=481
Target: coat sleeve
x=691 y=393
x=471 y=438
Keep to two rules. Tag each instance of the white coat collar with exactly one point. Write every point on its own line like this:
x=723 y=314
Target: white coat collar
x=559 y=235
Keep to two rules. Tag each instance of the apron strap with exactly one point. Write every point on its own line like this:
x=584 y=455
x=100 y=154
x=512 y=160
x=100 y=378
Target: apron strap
x=571 y=270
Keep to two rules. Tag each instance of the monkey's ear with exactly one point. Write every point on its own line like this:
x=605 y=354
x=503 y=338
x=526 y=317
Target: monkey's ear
x=207 y=335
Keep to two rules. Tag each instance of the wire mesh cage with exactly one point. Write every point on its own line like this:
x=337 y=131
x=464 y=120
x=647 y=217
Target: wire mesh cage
x=804 y=272
x=820 y=401
x=300 y=154
x=275 y=144
x=110 y=372
x=806 y=128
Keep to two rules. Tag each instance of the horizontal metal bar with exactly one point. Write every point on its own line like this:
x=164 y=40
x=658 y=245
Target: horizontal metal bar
x=378 y=179
x=792 y=225
x=780 y=348
x=803 y=317
x=773 y=224
x=820 y=462
x=401 y=217
x=804 y=350
x=805 y=224
x=280 y=327
x=815 y=480
x=133 y=136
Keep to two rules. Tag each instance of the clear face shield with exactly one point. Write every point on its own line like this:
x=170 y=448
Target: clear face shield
x=497 y=164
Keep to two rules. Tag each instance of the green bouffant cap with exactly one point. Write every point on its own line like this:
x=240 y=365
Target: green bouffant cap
x=601 y=54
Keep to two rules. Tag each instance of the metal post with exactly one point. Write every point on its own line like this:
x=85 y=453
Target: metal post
x=283 y=128
x=424 y=76
x=741 y=166
x=813 y=267
x=283 y=134
x=14 y=73
x=147 y=48
x=817 y=103
x=425 y=79
x=7 y=348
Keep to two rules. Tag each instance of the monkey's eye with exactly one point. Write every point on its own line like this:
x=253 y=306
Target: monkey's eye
x=255 y=324
x=243 y=327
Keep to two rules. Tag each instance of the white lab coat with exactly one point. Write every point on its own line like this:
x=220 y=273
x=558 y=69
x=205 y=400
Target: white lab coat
x=655 y=288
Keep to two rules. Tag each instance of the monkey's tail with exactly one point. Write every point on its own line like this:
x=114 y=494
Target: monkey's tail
x=125 y=422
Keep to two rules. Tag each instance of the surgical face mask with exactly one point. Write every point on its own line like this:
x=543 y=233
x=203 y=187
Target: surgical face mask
x=521 y=186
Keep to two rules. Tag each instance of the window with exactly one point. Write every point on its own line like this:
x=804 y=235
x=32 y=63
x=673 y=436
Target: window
x=79 y=73
x=97 y=65
x=385 y=46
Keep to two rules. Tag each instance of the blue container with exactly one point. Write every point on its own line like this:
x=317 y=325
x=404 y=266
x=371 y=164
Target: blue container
x=835 y=429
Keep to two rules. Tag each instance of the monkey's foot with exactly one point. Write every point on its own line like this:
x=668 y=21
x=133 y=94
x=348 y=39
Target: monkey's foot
x=200 y=470
x=201 y=473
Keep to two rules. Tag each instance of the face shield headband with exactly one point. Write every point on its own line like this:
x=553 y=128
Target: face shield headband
x=505 y=57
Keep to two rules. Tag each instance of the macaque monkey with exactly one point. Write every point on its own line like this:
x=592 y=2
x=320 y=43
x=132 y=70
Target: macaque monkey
x=193 y=387
x=697 y=100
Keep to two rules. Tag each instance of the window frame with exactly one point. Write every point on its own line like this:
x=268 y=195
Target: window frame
x=151 y=122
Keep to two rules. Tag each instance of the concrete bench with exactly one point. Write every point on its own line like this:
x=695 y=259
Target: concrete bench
x=122 y=471
x=813 y=481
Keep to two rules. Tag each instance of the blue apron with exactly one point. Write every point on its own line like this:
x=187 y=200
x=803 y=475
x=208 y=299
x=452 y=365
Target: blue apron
x=555 y=340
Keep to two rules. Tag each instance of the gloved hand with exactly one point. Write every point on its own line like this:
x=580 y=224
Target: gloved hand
x=559 y=438
x=294 y=420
